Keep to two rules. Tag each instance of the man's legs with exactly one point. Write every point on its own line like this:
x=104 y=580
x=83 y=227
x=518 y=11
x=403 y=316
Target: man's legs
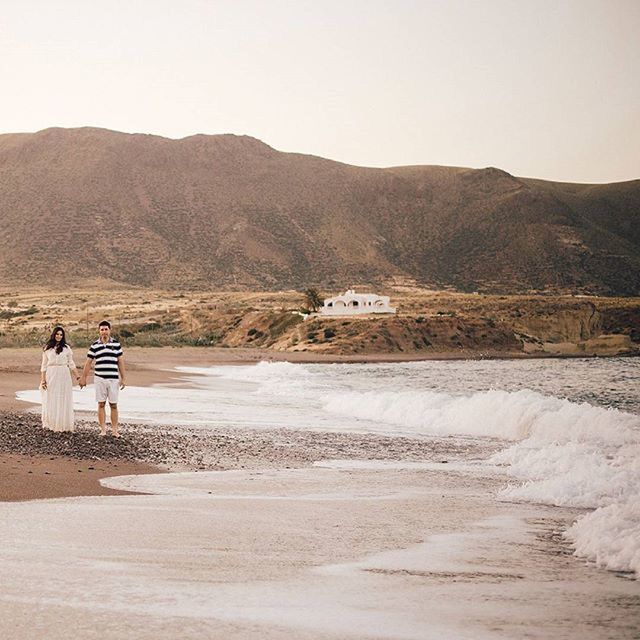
x=102 y=418
x=114 y=419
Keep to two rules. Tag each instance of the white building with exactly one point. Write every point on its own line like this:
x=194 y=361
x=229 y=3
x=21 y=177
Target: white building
x=351 y=303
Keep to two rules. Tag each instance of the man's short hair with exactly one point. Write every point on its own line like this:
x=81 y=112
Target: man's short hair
x=105 y=323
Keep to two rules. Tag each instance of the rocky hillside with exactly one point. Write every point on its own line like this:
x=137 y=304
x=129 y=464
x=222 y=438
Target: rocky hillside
x=469 y=326
x=86 y=205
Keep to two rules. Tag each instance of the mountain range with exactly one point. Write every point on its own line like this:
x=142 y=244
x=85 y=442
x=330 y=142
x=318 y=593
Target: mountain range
x=227 y=211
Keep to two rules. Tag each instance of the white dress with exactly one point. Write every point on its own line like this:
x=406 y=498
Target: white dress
x=57 y=399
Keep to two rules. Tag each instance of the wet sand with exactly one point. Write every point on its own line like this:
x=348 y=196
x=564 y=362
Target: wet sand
x=333 y=551
x=36 y=477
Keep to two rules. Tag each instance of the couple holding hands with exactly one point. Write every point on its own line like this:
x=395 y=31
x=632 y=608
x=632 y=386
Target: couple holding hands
x=56 y=383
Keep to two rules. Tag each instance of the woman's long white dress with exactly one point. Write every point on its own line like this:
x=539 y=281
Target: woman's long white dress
x=57 y=399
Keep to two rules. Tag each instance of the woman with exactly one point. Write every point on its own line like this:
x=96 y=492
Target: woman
x=55 y=382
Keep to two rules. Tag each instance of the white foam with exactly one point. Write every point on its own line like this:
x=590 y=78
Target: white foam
x=263 y=485
x=467 y=468
x=567 y=453
x=190 y=563
x=610 y=536
x=591 y=461
x=563 y=452
x=266 y=378
x=478 y=549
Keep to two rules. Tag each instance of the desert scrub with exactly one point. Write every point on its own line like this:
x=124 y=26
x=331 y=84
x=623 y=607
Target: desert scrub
x=283 y=322
x=34 y=337
x=7 y=314
x=206 y=340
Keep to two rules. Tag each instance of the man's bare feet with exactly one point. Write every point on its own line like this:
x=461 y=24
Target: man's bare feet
x=115 y=434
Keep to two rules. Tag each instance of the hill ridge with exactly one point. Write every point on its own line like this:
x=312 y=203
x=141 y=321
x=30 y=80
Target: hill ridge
x=231 y=211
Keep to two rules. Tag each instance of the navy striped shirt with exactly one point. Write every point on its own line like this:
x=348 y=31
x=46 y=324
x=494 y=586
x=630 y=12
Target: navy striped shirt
x=106 y=357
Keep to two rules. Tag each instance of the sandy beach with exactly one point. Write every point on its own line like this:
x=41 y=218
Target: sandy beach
x=276 y=533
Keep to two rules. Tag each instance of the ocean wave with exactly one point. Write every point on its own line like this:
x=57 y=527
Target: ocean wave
x=593 y=464
x=497 y=414
x=262 y=371
x=565 y=454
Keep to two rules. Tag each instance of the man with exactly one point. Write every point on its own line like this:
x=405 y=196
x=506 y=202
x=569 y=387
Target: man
x=108 y=375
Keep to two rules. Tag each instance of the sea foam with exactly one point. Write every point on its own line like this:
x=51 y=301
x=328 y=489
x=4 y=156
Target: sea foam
x=562 y=452
x=558 y=451
x=594 y=464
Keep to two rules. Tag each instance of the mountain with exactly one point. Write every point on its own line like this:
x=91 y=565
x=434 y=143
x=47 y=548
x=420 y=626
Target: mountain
x=230 y=211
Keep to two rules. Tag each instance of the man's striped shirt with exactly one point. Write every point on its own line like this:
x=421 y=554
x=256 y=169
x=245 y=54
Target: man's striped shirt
x=106 y=356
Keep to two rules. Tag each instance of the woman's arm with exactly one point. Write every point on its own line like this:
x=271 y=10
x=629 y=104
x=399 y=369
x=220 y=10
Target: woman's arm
x=72 y=365
x=43 y=370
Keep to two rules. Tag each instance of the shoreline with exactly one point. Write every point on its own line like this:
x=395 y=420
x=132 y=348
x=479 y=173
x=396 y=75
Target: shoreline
x=146 y=366
x=160 y=449
x=152 y=365
x=302 y=532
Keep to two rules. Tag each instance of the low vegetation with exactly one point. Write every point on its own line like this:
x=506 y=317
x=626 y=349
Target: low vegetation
x=426 y=323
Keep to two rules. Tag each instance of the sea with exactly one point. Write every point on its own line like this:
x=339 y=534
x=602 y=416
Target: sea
x=568 y=429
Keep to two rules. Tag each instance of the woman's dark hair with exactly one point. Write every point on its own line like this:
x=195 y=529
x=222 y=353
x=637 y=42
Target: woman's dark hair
x=51 y=342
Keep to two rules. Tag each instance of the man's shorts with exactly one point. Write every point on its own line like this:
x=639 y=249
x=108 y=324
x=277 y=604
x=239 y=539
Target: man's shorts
x=106 y=389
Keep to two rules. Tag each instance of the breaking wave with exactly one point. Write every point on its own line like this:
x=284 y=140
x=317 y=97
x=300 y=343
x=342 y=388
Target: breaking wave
x=565 y=454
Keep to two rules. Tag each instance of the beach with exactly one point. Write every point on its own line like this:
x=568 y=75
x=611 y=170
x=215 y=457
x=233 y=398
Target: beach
x=238 y=532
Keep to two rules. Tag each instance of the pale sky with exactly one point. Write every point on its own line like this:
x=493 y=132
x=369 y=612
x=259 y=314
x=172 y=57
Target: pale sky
x=547 y=89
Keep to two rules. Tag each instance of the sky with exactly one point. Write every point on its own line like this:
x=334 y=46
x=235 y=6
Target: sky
x=545 y=89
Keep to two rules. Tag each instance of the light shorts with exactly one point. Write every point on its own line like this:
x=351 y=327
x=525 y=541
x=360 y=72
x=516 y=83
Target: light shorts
x=106 y=389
